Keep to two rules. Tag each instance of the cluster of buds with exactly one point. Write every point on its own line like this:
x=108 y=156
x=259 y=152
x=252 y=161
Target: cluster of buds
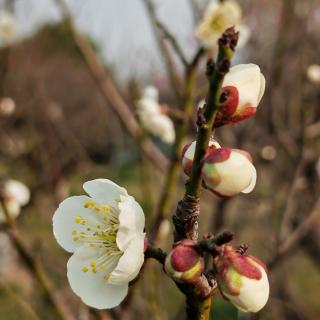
x=225 y=171
x=242 y=279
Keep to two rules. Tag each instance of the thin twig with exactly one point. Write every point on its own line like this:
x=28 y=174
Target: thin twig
x=34 y=266
x=175 y=45
x=300 y=232
x=111 y=93
x=169 y=62
x=27 y=308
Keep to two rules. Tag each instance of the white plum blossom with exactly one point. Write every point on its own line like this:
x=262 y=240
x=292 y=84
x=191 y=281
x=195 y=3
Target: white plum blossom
x=218 y=17
x=7 y=28
x=152 y=118
x=242 y=90
x=105 y=233
x=313 y=73
x=15 y=195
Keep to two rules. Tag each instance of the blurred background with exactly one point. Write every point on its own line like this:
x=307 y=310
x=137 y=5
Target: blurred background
x=69 y=81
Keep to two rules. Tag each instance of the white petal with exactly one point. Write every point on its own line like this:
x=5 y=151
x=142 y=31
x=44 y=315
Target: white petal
x=131 y=222
x=64 y=221
x=262 y=88
x=247 y=79
x=162 y=127
x=236 y=174
x=253 y=295
x=252 y=182
x=147 y=107
x=104 y=191
x=130 y=263
x=91 y=287
x=151 y=92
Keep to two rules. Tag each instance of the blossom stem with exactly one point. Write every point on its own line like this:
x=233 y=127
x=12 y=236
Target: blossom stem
x=155 y=253
x=198 y=309
x=210 y=244
x=199 y=299
x=185 y=220
x=172 y=71
x=170 y=183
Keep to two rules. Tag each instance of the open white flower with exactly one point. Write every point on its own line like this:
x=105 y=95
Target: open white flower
x=7 y=28
x=105 y=232
x=218 y=17
x=151 y=117
x=15 y=195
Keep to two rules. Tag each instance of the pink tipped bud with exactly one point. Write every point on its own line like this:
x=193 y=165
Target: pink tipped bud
x=227 y=172
x=243 y=88
x=242 y=279
x=184 y=263
x=188 y=154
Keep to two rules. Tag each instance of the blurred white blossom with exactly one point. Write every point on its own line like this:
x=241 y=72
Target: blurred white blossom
x=218 y=17
x=105 y=233
x=7 y=106
x=15 y=195
x=152 y=118
x=7 y=28
x=313 y=73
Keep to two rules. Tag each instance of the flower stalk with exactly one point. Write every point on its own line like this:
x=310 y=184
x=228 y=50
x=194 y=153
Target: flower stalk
x=186 y=219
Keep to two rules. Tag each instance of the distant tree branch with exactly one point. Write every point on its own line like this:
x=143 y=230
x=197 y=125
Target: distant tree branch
x=111 y=93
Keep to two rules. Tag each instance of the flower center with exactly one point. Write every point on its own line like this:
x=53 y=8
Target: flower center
x=100 y=235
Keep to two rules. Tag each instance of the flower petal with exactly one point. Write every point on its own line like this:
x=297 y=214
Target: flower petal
x=130 y=263
x=253 y=295
x=104 y=191
x=253 y=181
x=91 y=287
x=131 y=221
x=236 y=174
x=247 y=79
x=64 y=221
x=262 y=88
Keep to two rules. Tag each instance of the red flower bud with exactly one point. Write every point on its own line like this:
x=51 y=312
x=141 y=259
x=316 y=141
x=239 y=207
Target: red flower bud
x=184 y=263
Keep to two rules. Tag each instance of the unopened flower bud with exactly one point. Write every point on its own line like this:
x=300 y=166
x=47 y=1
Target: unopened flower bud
x=184 y=263
x=242 y=90
x=188 y=154
x=242 y=279
x=227 y=172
